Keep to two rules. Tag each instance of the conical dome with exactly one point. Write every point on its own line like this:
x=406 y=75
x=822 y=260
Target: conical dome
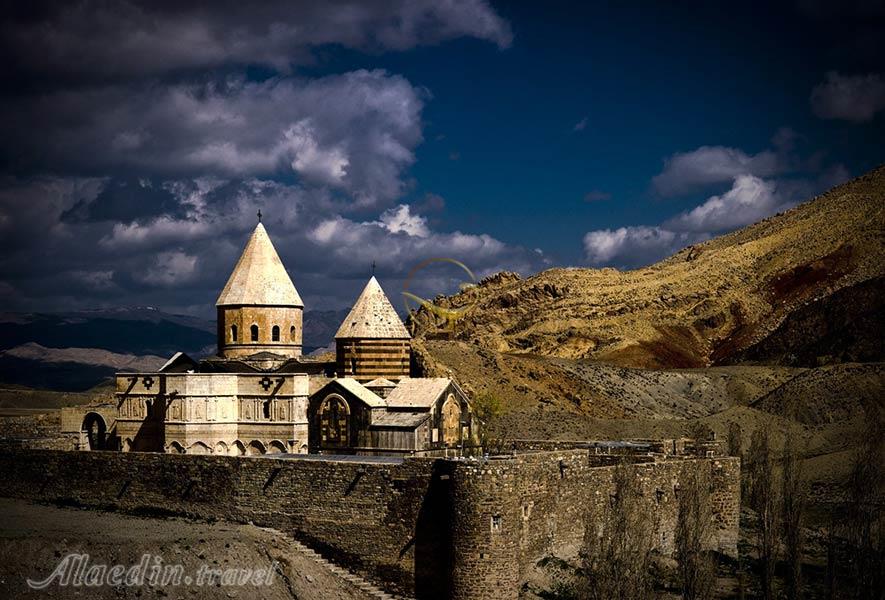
x=259 y=277
x=373 y=316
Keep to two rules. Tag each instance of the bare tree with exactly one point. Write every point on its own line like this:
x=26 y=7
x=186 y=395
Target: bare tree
x=865 y=525
x=793 y=500
x=694 y=529
x=735 y=447
x=763 y=499
x=618 y=544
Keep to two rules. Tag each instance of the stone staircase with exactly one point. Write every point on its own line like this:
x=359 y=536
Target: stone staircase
x=369 y=589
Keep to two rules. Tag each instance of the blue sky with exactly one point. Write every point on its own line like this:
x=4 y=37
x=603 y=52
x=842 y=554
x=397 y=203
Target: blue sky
x=139 y=139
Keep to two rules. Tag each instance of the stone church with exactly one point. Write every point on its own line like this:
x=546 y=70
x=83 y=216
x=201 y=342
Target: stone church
x=260 y=395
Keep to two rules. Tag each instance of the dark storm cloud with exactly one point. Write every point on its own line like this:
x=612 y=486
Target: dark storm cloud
x=96 y=40
x=125 y=199
x=855 y=98
x=354 y=132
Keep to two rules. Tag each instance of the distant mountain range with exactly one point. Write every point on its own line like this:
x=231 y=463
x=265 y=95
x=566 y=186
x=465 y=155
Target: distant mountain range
x=76 y=350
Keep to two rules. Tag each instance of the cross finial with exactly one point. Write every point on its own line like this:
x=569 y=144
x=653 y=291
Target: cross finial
x=373 y=268
x=259 y=215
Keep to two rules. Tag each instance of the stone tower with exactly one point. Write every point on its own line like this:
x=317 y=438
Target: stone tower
x=259 y=309
x=372 y=341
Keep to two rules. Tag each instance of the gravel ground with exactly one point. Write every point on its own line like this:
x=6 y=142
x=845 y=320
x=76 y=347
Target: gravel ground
x=36 y=539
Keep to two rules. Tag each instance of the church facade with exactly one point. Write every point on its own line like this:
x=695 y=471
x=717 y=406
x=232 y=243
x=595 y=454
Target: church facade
x=259 y=394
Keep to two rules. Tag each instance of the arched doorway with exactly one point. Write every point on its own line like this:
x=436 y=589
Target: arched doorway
x=276 y=447
x=95 y=429
x=334 y=416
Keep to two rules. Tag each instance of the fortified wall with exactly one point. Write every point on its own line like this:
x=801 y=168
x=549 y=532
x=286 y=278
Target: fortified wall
x=429 y=528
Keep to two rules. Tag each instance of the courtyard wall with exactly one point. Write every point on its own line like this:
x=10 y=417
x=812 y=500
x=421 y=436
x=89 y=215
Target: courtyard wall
x=429 y=528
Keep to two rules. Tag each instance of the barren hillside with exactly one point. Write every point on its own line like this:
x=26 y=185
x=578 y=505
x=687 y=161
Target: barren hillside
x=712 y=303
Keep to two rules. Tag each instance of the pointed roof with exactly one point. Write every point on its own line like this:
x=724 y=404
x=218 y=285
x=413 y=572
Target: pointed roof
x=372 y=316
x=259 y=277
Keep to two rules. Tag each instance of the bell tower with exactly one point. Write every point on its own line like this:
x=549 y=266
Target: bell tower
x=259 y=310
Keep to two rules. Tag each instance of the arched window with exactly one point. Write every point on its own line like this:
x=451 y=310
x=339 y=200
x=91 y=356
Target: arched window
x=275 y=333
x=233 y=333
x=292 y=333
x=265 y=409
x=254 y=331
x=334 y=417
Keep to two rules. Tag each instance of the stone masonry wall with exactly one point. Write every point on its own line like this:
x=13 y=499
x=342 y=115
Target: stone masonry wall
x=511 y=513
x=469 y=529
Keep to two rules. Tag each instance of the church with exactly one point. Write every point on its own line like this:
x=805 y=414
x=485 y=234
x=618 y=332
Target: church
x=259 y=395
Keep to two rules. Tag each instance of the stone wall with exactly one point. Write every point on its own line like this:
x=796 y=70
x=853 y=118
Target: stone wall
x=36 y=431
x=509 y=514
x=372 y=518
x=425 y=527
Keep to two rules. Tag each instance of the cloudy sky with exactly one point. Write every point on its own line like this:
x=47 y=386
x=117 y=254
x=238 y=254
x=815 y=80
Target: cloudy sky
x=138 y=140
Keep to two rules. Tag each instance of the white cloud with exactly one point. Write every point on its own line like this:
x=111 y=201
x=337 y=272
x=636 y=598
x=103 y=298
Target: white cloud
x=633 y=246
x=750 y=199
x=400 y=219
x=400 y=240
x=688 y=171
x=855 y=98
x=325 y=165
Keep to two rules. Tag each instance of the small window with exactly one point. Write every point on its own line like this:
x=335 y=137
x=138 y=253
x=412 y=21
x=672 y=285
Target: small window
x=254 y=331
x=275 y=333
x=266 y=409
x=233 y=333
x=496 y=523
x=292 y=335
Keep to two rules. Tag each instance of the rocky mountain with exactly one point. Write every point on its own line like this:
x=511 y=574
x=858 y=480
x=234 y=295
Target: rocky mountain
x=801 y=287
